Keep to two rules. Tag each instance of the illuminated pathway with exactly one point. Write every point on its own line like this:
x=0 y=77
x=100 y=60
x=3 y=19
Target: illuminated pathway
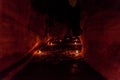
x=58 y=66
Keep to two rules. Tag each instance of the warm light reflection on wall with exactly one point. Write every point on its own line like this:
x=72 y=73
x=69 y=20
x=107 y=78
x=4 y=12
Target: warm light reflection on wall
x=35 y=45
x=82 y=52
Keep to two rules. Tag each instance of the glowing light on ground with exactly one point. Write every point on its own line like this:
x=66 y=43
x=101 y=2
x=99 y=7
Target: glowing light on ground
x=77 y=51
x=50 y=44
x=75 y=43
x=38 y=53
x=60 y=40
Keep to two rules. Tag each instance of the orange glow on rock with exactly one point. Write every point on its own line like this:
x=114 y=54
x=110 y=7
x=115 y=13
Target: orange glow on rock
x=36 y=44
x=83 y=46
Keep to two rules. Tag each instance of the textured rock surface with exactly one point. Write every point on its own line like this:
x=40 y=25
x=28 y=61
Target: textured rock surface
x=15 y=38
x=101 y=32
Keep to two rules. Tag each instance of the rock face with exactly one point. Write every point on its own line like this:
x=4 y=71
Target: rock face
x=101 y=33
x=20 y=26
x=15 y=38
x=103 y=44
